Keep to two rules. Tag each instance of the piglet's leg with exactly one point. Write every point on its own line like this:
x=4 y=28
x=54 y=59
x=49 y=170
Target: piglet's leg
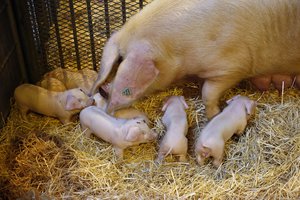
x=86 y=130
x=200 y=159
x=65 y=120
x=160 y=157
x=241 y=129
x=218 y=154
x=182 y=158
x=119 y=153
x=212 y=91
x=24 y=110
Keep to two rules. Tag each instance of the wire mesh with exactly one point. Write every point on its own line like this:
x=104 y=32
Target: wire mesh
x=72 y=33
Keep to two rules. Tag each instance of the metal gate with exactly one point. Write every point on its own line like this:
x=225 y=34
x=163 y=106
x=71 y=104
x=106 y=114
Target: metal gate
x=68 y=33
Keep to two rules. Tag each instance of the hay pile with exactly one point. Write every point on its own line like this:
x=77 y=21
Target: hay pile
x=43 y=159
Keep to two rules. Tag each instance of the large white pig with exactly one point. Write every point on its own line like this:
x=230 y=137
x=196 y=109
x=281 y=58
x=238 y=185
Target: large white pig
x=61 y=105
x=281 y=81
x=121 y=133
x=221 y=41
x=262 y=83
x=232 y=120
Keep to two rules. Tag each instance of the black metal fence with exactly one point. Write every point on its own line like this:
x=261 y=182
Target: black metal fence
x=68 y=33
x=12 y=71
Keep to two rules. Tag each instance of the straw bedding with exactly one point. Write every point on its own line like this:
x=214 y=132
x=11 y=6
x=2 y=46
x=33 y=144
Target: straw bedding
x=43 y=159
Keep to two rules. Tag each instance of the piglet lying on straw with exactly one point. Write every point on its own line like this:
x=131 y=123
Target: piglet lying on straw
x=72 y=79
x=52 y=84
x=121 y=133
x=62 y=105
x=175 y=120
x=232 y=120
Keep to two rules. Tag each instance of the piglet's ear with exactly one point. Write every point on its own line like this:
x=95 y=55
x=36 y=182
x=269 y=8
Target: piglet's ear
x=184 y=102
x=166 y=104
x=133 y=134
x=250 y=107
x=233 y=98
x=72 y=103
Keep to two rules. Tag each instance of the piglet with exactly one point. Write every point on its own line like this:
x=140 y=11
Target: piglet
x=278 y=79
x=52 y=84
x=232 y=120
x=61 y=105
x=100 y=101
x=121 y=133
x=175 y=120
x=125 y=113
x=74 y=79
x=262 y=83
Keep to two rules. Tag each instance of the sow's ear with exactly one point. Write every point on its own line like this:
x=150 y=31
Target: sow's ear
x=136 y=73
x=109 y=57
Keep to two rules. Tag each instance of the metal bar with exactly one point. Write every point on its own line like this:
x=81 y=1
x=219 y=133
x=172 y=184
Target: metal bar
x=106 y=12
x=123 y=8
x=58 y=39
x=91 y=31
x=74 y=33
x=6 y=59
x=33 y=20
x=18 y=43
x=141 y=4
x=4 y=5
x=43 y=27
x=26 y=31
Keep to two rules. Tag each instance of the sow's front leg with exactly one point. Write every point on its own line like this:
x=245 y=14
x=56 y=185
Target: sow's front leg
x=212 y=90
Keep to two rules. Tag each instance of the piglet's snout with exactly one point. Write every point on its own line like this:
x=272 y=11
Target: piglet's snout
x=152 y=135
x=91 y=101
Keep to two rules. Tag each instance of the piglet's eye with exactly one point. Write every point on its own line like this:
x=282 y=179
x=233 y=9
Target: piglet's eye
x=144 y=121
x=138 y=122
x=80 y=89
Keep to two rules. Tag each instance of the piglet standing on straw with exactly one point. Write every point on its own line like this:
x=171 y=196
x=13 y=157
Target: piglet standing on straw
x=175 y=120
x=232 y=120
x=121 y=133
x=62 y=105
